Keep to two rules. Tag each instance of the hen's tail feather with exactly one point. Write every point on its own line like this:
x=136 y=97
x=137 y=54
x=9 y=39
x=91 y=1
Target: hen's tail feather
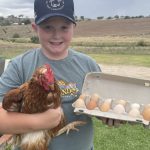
x=5 y=141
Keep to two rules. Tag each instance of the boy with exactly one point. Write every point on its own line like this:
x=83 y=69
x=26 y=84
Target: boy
x=54 y=25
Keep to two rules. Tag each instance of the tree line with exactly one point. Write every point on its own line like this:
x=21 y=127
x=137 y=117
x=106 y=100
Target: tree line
x=11 y=19
x=122 y=17
x=20 y=19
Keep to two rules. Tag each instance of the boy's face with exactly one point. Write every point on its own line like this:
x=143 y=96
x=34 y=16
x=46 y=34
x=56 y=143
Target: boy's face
x=55 y=35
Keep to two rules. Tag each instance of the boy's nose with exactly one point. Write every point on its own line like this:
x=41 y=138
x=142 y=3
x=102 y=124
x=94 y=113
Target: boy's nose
x=56 y=33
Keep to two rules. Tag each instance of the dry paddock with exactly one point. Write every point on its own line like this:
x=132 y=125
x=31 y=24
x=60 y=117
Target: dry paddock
x=130 y=71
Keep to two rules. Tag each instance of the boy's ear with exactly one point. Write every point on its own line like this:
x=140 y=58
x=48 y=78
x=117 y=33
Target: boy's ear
x=34 y=27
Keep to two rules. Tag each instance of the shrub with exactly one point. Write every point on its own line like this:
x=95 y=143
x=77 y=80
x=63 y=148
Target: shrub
x=16 y=35
x=141 y=43
x=34 y=39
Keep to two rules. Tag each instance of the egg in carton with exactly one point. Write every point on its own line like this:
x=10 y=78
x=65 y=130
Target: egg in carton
x=79 y=103
x=146 y=112
x=119 y=106
x=105 y=105
x=110 y=108
x=92 y=101
x=134 y=110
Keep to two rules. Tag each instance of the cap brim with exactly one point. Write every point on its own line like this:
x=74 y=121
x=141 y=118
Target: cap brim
x=53 y=15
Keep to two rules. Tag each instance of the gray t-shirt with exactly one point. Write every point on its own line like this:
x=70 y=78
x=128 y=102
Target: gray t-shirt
x=69 y=73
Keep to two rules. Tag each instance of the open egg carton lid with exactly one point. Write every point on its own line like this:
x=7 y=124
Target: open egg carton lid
x=116 y=87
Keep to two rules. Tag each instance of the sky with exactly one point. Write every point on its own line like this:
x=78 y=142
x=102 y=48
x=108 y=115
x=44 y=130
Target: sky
x=87 y=8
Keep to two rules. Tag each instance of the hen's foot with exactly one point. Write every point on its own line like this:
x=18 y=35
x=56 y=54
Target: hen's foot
x=70 y=126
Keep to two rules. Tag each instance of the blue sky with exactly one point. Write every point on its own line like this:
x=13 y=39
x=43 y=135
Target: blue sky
x=86 y=8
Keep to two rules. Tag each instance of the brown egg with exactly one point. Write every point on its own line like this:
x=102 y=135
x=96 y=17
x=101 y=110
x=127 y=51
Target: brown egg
x=82 y=96
x=105 y=107
x=87 y=99
x=79 y=103
x=91 y=105
x=95 y=97
x=146 y=113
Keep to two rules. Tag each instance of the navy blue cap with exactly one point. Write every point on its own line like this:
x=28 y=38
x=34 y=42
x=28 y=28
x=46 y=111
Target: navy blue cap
x=44 y=9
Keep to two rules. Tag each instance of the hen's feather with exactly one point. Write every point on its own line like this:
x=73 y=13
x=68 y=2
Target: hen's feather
x=12 y=100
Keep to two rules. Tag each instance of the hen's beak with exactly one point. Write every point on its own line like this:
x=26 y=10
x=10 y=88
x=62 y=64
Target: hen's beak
x=51 y=86
x=43 y=70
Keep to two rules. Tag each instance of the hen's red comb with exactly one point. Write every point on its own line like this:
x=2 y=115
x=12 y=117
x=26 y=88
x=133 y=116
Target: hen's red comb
x=49 y=73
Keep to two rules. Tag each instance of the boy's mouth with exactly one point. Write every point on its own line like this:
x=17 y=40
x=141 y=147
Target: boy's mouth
x=56 y=43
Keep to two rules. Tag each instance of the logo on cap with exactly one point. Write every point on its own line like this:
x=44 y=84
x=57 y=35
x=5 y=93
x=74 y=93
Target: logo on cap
x=55 y=4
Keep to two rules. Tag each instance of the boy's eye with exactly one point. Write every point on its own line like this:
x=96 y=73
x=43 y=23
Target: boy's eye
x=64 y=28
x=47 y=27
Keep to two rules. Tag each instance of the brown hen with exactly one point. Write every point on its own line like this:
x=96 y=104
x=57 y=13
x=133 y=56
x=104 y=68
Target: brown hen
x=37 y=95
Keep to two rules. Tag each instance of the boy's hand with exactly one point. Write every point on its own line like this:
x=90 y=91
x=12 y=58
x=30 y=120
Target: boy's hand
x=111 y=122
x=52 y=117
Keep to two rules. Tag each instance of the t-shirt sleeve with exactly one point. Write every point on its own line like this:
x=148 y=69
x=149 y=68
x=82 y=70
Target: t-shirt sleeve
x=9 y=79
x=94 y=67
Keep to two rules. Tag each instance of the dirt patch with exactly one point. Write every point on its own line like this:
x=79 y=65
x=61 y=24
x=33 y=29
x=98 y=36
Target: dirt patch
x=120 y=27
x=130 y=71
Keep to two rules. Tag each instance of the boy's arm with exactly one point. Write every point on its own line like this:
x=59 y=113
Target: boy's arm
x=14 y=123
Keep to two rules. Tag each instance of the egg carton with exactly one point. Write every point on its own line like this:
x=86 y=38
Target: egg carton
x=116 y=87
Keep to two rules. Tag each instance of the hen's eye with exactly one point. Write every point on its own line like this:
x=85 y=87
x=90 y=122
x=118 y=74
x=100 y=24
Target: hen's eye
x=40 y=75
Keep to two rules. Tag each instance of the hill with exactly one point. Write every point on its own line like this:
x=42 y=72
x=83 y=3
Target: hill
x=94 y=28
x=121 y=27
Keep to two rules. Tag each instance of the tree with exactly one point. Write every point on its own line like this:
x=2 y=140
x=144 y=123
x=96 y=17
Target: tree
x=5 y=23
x=19 y=17
x=116 y=17
x=141 y=16
x=99 y=18
x=127 y=17
x=76 y=18
x=82 y=17
x=26 y=21
x=109 y=17
x=1 y=18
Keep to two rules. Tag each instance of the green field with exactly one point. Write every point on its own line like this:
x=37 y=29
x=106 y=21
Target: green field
x=105 y=50
x=125 y=137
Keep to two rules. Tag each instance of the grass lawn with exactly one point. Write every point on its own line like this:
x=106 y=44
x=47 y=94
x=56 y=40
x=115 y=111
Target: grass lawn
x=122 y=59
x=125 y=137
